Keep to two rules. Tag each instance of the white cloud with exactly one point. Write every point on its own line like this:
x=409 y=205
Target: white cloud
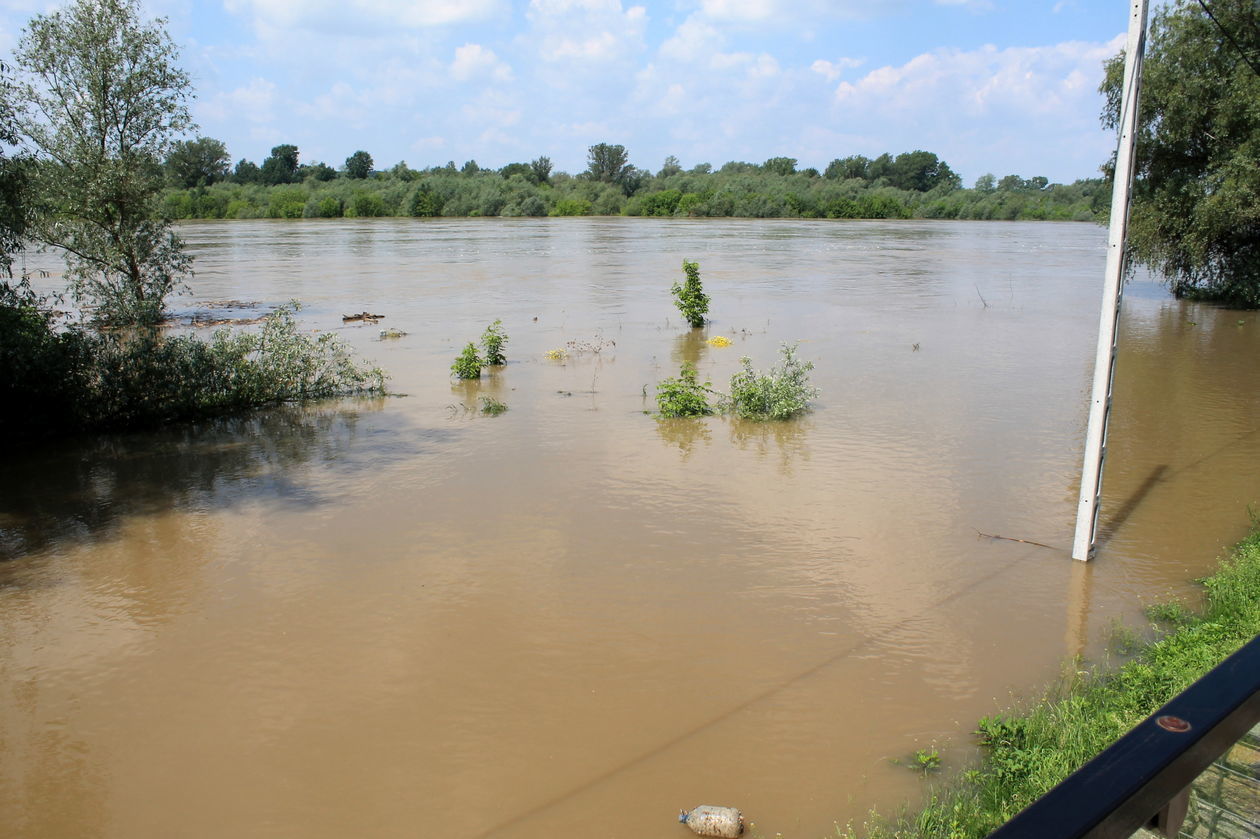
x=585 y=31
x=791 y=12
x=360 y=16
x=832 y=70
x=1023 y=79
x=475 y=61
x=255 y=101
x=979 y=107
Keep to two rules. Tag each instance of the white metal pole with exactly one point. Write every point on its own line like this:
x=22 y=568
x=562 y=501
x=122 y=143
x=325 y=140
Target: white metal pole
x=1105 y=360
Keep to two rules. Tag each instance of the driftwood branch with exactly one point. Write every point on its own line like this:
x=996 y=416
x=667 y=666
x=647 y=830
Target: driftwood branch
x=1012 y=539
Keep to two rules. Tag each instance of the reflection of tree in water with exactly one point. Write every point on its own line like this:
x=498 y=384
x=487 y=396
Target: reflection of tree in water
x=786 y=437
x=685 y=433
x=78 y=490
x=468 y=393
x=688 y=347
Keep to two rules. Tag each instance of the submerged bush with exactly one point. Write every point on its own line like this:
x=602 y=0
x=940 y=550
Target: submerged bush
x=493 y=340
x=690 y=297
x=683 y=396
x=73 y=379
x=468 y=364
x=781 y=393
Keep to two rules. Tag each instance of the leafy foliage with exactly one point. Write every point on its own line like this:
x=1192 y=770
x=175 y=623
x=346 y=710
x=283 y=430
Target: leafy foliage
x=781 y=393
x=492 y=407
x=683 y=396
x=58 y=380
x=468 y=364
x=199 y=162
x=359 y=165
x=493 y=340
x=689 y=297
x=99 y=99
x=1196 y=201
x=281 y=166
x=857 y=189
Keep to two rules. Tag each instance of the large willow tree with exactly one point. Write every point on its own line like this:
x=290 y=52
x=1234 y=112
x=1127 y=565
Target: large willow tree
x=1196 y=201
x=99 y=100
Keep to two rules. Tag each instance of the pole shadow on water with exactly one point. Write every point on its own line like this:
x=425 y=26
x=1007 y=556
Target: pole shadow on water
x=69 y=491
x=1121 y=515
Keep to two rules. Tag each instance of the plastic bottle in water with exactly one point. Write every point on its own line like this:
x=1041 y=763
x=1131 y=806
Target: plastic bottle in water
x=708 y=820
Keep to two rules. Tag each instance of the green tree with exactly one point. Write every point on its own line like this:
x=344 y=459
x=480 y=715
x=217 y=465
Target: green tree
x=281 y=167
x=542 y=169
x=689 y=297
x=780 y=166
x=198 y=162
x=246 y=172
x=607 y=163
x=14 y=200
x=920 y=171
x=100 y=100
x=1195 y=214
x=670 y=168
x=359 y=165
x=854 y=166
x=319 y=171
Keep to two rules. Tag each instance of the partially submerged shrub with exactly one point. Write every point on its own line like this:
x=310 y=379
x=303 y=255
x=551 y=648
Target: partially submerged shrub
x=683 y=396
x=690 y=297
x=781 y=393
x=468 y=364
x=493 y=340
x=492 y=407
x=73 y=379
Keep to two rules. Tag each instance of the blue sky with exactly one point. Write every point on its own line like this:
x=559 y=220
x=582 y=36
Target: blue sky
x=1001 y=86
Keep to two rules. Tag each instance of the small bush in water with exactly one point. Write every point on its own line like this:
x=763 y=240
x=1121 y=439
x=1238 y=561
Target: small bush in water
x=781 y=393
x=683 y=396
x=468 y=364
x=690 y=297
x=492 y=407
x=493 y=340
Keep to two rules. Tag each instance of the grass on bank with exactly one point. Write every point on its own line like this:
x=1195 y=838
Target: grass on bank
x=1029 y=752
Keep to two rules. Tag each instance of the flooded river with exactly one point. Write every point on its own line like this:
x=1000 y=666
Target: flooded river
x=401 y=618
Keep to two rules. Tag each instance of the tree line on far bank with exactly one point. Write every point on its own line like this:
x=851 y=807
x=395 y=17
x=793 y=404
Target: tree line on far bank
x=916 y=184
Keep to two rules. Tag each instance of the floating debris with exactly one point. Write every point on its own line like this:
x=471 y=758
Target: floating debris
x=392 y=333
x=556 y=355
x=708 y=820
x=719 y=341
x=367 y=317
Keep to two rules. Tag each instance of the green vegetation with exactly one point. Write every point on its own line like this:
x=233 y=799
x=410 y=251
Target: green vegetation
x=1028 y=752
x=683 y=396
x=493 y=340
x=912 y=185
x=492 y=407
x=99 y=98
x=689 y=297
x=468 y=364
x=66 y=379
x=1196 y=202
x=781 y=393
x=927 y=760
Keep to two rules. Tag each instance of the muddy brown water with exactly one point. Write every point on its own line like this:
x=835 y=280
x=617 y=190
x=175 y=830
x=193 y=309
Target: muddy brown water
x=398 y=617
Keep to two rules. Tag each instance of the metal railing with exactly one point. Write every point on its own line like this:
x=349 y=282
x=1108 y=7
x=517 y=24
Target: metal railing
x=1143 y=779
